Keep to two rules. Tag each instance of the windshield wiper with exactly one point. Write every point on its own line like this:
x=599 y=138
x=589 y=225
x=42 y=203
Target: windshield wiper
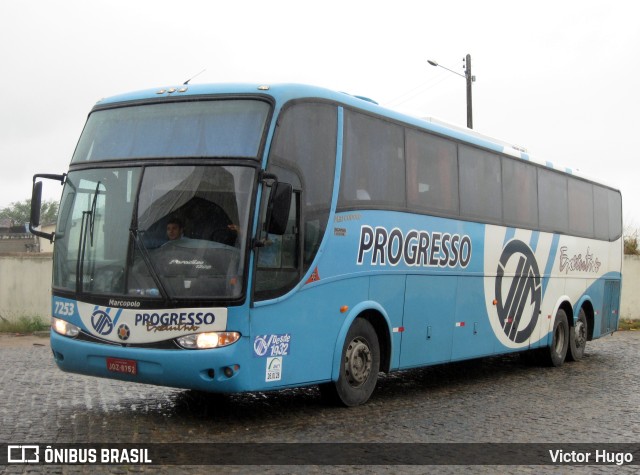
x=135 y=234
x=86 y=228
x=92 y=213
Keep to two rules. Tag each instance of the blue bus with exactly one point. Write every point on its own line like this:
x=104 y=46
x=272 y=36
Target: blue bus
x=230 y=238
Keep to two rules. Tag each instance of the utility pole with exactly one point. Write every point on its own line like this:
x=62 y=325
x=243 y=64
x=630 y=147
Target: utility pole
x=470 y=79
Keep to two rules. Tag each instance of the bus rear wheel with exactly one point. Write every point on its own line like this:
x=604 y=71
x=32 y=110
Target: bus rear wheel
x=555 y=354
x=578 y=336
x=359 y=367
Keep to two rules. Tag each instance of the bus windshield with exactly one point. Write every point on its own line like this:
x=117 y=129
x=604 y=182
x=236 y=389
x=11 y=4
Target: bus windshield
x=158 y=232
x=213 y=128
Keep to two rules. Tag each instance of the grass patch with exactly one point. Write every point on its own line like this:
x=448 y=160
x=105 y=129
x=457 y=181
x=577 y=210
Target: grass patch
x=23 y=325
x=627 y=324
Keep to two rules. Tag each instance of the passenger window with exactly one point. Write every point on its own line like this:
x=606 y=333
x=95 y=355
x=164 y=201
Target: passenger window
x=552 y=201
x=480 y=185
x=607 y=213
x=601 y=212
x=373 y=169
x=432 y=173
x=615 y=214
x=580 y=208
x=519 y=194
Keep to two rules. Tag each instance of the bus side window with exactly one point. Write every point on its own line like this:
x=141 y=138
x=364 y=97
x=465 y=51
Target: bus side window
x=278 y=268
x=432 y=173
x=520 y=194
x=373 y=157
x=303 y=154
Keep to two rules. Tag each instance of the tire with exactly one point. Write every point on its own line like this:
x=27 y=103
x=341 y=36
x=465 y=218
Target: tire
x=555 y=354
x=359 y=367
x=578 y=336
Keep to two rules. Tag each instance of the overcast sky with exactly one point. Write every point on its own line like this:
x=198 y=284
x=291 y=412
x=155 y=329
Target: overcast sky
x=559 y=78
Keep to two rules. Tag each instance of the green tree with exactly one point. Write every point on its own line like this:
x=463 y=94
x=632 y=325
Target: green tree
x=20 y=212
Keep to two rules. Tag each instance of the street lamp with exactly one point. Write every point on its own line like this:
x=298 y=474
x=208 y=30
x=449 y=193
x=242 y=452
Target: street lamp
x=470 y=79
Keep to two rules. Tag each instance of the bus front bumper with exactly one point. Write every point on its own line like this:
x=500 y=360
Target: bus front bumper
x=214 y=370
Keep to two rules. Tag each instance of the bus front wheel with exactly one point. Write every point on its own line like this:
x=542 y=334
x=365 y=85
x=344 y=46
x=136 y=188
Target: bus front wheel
x=555 y=354
x=359 y=367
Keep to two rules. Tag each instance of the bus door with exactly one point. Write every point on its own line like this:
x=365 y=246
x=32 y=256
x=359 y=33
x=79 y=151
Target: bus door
x=472 y=333
x=428 y=328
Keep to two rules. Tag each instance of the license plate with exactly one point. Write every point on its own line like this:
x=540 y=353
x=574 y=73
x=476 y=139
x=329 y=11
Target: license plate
x=118 y=365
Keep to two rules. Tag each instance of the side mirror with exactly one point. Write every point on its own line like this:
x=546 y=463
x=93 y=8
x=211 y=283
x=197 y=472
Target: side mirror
x=278 y=208
x=36 y=204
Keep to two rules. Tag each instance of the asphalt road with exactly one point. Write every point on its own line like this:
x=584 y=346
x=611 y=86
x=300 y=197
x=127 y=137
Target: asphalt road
x=494 y=400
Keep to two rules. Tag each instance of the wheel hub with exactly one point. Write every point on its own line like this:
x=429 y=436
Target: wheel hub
x=358 y=362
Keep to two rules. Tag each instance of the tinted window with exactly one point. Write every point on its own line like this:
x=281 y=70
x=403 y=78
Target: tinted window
x=607 y=213
x=303 y=154
x=615 y=214
x=580 y=208
x=230 y=128
x=601 y=212
x=552 y=199
x=373 y=171
x=519 y=194
x=432 y=173
x=306 y=141
x=480 y=184
x=278 y=262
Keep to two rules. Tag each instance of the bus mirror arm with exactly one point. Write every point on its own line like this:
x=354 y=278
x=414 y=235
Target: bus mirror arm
x=36 y=204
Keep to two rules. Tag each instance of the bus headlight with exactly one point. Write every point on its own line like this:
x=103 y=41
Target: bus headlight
x=202 y=341
x=64 y=328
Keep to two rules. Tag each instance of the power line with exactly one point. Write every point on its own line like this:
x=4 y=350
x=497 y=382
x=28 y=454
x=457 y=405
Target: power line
x=418 y=90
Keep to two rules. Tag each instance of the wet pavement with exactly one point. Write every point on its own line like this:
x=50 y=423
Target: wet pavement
x=494 y=400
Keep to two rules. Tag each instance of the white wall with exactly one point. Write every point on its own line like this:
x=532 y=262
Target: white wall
x=25 y=286
x=630 y=306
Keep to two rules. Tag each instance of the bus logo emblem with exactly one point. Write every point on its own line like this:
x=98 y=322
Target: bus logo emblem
x=518 y=311
x=260 y=345
x=101 y=322
x=124 y=332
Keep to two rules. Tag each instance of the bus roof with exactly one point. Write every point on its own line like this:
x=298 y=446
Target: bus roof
x=283 y=93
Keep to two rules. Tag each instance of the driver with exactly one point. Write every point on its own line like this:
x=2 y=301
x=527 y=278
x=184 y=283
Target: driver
x=175 y=229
